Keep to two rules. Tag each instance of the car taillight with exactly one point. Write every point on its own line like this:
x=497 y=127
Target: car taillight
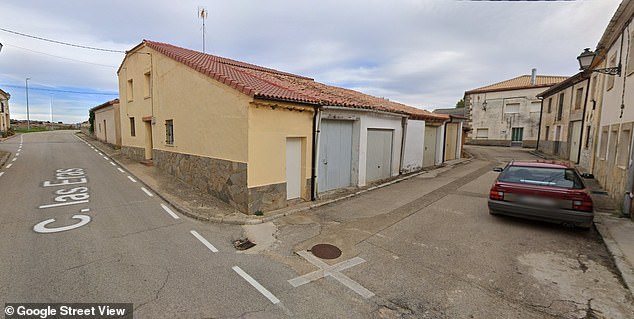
x=496 y=193
x=584 y=203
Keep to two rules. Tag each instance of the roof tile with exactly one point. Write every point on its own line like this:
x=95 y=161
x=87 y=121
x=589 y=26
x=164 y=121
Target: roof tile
x=520 y=82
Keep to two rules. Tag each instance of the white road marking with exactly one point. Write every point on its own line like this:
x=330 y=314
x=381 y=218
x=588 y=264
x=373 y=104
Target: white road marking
x=99 y=153
x=105 y=158
x=256 y=285
x=204 y=241
x=169 y=211
x=14 y=159
x=333 y=271
x=132 y=179
x=65 y=204
x=1 y=173
x=17 y=154
x=85 y=210
x=40 y=227
x=9 y=166
x=147 y=192
x=113 y=164
x=120 y=170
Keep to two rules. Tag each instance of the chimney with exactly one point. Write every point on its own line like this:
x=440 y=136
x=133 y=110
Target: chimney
x=533 y=76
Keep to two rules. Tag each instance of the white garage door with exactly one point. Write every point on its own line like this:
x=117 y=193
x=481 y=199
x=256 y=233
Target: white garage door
x=335 y=155
x=379 y=155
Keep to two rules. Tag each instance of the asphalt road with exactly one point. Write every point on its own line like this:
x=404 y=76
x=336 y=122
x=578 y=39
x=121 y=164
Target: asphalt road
x=75 y=227
x=124 y=247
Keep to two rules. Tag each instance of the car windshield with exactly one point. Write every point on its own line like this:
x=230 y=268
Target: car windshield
x=553 y=177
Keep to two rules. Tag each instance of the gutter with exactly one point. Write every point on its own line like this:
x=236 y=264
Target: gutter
x=583 y=119
x=539 y=127
x=404 y=130
x=315 y=158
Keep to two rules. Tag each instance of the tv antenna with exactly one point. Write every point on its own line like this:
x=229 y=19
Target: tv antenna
x=202 y=14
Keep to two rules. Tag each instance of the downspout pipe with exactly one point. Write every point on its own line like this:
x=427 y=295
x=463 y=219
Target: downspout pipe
x=315 y=145
x=404 y=129
x=539 y=127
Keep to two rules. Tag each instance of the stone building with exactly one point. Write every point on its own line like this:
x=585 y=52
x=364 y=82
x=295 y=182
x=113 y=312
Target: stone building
x=507 y=113
x=5 y=117
x=255 y=137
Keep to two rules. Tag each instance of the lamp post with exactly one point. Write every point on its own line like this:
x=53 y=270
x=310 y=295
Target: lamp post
x=28 y=121
x=585 y=62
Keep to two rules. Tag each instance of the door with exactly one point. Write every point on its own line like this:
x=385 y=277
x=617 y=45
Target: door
x=451 y=139
x=148 y=140
x=575 y=136
x=379 y=154
x=335 y=155
x=517 y=136
x=293 y=167
x=429 y=154
x=105 y=132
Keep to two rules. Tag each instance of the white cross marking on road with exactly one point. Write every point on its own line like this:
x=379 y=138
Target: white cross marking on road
x=333 y=271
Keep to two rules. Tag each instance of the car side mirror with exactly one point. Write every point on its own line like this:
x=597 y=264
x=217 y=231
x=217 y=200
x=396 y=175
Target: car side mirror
x=498 y=169
x=587 y=175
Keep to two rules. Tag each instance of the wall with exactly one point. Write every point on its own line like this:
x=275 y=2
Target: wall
x=414 y=146
x=111 y=133
x=5 y=118
x=498 y=122
x=269 y=125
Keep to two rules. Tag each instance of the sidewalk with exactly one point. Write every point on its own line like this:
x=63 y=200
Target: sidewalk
x=202 y=206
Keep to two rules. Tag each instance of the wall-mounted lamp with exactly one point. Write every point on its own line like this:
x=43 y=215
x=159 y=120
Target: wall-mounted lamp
x=0 y=47
x=484 y=106
x=585 y=61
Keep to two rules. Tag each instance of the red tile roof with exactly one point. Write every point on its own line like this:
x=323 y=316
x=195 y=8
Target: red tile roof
x=520 y=82
x=104 y=105
x=266 y=83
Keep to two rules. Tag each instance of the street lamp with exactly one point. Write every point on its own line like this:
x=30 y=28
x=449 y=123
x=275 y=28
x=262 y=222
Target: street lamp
x=0 y=47
x=28 y=121
x=585 y=61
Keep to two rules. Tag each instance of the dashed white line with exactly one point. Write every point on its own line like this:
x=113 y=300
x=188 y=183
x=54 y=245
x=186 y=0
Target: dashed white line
x=17 y=154
x=99 y=153
x=9 y=166
x=14 y=159
x=169 y=211
x=147 y=192
x=132 y=179
x=85 y=210
x=113 y=164
x=256 y=285
x=106 y=158
x=120 y=170
x=204 y=241
x=1 y=173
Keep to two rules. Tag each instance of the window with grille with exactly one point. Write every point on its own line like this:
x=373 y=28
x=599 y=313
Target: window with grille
x=169 y=132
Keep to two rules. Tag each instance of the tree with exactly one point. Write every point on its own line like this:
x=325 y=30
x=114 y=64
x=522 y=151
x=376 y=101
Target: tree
x=460 y=104
x=91 y=120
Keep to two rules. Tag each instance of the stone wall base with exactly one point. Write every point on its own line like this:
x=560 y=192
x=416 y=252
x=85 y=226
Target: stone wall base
x=135 y=153
x=508 y=143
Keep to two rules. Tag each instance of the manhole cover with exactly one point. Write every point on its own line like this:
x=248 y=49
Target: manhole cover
x=326 y=251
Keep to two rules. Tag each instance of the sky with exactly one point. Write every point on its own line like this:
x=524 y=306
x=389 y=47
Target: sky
x=424 y=53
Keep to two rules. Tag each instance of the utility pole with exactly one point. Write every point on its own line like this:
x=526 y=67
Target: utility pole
x=52 y=112
x=202 y=14
x=28 y=120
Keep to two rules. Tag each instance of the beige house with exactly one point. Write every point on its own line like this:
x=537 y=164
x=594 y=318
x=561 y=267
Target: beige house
x=5 y=118
x=246 y=134
x=615 y=96
x=563 y=126
x=107 y=125
x=507 y=113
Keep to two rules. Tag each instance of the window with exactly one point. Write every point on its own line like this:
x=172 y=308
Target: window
x=132 y=127
x=593 y=90
x=130 y=93
x=99 y=127
x=578 y=98
x=550 y=105
x=611 y=77
x=625 y=140
x=588 y=136
x=546 y=133
x=536 y=107
x=169 y=132
x=512 y=108
x=482 y=133
x=560 y=106
x=147 y=84
x=1 y=107
x=553 y=177
x=603 y=146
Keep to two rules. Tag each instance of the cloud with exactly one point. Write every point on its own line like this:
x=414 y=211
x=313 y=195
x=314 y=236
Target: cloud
x=425 y=53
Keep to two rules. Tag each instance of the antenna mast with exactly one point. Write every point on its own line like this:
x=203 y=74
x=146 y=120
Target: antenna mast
x=202 y=14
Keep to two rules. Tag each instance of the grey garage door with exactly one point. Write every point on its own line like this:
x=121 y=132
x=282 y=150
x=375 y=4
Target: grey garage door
x=335 y=154
x=379 y=159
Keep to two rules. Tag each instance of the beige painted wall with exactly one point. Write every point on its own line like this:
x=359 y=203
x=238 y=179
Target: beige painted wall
x=111 y=131
x=569 y=112
x=5 y=122
x=210 y=118
x=268 y=130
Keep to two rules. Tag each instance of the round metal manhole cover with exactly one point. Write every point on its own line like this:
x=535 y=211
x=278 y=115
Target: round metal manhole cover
x=326 y=251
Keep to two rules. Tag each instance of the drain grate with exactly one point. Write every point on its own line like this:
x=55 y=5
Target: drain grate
x=326 y=251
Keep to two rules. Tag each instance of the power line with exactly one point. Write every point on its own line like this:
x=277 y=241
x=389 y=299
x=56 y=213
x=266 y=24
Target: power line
x=60 y=57
x=61 y=91
x=60 y=42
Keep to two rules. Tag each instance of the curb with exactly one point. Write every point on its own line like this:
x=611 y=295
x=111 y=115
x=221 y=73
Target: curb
x=623 y=267
x=238 y=220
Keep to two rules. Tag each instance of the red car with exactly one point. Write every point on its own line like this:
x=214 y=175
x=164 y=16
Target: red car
x=542 y=190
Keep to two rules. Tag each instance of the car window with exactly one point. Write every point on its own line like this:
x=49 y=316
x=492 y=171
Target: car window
x=553 y=177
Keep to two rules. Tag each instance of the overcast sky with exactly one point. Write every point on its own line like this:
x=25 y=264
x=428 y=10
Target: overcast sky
x=424 y=53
